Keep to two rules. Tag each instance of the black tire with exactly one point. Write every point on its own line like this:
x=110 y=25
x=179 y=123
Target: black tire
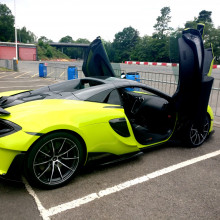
x=53 y=160
x=195 y=138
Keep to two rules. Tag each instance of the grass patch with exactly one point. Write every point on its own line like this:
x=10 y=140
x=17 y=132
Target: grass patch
x=3 y=69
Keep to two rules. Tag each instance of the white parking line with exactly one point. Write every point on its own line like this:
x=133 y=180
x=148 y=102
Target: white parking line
x=41 y=209
x=34 y=75
x=21 y=75
x=62 y=74
x=50 y=73
x=47 y=213
x=3 y=76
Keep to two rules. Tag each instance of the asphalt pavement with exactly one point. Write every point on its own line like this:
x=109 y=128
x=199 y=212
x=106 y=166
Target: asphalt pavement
x=167 y=182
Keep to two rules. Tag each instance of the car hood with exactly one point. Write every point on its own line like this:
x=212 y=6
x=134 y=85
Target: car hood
x=96 y=62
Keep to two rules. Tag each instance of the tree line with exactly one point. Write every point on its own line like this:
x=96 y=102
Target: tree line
x=161 y=46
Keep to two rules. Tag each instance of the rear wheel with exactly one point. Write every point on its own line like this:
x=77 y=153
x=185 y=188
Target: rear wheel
x=53 y=160
x=195 y=137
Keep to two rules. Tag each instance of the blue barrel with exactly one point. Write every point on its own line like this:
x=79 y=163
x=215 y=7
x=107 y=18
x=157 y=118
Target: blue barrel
x=42 y=70
x=133 y=76
x=72 y=72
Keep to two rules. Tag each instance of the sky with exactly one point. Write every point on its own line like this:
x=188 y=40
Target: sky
x=55 y=19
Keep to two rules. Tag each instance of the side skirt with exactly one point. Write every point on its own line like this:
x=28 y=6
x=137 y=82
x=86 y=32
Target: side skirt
x=103 y=159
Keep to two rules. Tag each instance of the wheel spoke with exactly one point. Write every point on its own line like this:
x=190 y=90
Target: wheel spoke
x=195 y=138
x=62 y=146
x=44 y=171
x=45 y=162
x=60 y=155
x=193 y=135
x=69 y=158
x=53 y=147
x=59 y=172
x=44 y=153
x=202 y=136
x=65 y=165
x=52 y=172
x=198 y=138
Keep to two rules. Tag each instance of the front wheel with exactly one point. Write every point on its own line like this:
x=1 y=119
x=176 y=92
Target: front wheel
x=53 y=160
x=194 y=137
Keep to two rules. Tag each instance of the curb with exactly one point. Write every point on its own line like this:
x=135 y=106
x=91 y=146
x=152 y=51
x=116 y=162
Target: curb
x=161 y=64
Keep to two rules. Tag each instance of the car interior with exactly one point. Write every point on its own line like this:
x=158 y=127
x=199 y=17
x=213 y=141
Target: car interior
x=152 y=117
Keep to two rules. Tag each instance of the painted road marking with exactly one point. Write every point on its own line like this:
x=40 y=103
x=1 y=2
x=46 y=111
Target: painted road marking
x=62 y=74
x=8 y=75
x=34 y=75
x=3 y=76
x=21 y=75
x=50 y=73
x=47 y=213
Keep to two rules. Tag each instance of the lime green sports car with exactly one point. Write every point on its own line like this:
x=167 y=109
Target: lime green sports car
x=55 y=130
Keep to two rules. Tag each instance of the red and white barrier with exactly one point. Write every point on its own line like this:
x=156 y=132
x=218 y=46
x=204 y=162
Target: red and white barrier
x=161 y=64
x=216 y=66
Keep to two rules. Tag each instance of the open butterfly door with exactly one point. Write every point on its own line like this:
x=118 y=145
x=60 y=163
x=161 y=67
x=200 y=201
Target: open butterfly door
x=195 y=83
x=96 y=62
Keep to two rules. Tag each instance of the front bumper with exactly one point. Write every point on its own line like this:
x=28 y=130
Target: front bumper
x=6 y=159
x=11 y=146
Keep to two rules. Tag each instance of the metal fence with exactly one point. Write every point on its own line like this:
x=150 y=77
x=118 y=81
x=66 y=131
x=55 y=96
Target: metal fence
x=6 y=64
x=167 y=83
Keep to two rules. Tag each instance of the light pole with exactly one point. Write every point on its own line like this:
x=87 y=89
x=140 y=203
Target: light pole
x=16 y=40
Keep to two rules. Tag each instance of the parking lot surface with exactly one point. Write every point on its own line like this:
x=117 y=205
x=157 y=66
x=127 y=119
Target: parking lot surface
x=166 y=182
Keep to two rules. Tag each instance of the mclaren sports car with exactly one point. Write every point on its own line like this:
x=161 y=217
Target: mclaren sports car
x=55 y=130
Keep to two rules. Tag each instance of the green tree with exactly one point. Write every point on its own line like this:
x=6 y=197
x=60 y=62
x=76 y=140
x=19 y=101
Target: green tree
x=205 y=17
x=215 y=39
x=82 y=41
x=209 y=31
x=74 y=53
x=109 y=49
x=6 y=24
x=66 y=39
x=191 y=24
x=173 y=45
x=143 y=49
x=68 y=51
x=162 y=26
x=44 y=40
x=160 y=42
x=124 y=42
x=26 y=36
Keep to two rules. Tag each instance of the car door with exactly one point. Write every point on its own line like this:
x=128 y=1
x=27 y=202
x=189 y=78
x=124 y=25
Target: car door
x=194 y=86
x=96 y=62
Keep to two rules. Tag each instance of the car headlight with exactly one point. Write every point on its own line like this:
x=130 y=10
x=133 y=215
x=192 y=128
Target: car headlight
x=8 y=127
